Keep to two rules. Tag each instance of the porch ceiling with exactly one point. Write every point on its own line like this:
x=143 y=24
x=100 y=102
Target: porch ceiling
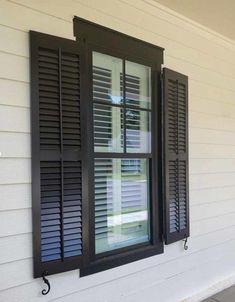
x=218 y=15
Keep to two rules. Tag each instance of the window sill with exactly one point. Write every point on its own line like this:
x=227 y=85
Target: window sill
x=120 y=259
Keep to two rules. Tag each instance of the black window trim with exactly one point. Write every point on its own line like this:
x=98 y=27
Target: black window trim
x=92 y=37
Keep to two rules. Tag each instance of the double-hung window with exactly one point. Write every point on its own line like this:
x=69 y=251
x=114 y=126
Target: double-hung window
x=109 y=154
x=122 y=152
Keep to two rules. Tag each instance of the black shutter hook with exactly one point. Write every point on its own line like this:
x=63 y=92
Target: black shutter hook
x=46 y=281
x=185 y=243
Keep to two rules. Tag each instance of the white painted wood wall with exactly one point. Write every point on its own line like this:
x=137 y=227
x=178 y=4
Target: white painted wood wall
x=209 y=61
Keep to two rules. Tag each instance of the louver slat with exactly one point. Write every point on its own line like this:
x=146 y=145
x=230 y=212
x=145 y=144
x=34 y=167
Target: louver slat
x=72 y=208
x=49 y=98
x=176 y=156
x=50 y=211
x=56 y=154
x=70 y=89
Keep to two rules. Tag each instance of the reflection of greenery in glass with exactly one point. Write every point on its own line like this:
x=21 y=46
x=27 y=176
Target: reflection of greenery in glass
x=122 y=214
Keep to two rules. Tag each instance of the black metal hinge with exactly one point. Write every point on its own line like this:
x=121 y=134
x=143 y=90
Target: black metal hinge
x=46 y=281
x=185 y=243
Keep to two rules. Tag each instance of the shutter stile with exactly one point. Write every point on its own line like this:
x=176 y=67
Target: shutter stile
x=56 y=154
x=175 y=97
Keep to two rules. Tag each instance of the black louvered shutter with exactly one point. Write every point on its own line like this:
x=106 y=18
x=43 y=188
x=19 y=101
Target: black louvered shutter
x=175 y=110
x=57 y=158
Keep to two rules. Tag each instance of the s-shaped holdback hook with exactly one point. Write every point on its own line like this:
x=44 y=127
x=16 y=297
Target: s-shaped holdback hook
x=46 y=281
x=185 y=243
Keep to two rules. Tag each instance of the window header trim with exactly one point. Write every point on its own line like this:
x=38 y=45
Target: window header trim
x=100 y=35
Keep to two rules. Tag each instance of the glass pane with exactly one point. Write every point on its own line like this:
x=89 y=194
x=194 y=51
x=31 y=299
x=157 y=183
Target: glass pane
x=106 y=78
x=108 y=128
x=138 y=135
x=138 y=85
x=121 y=203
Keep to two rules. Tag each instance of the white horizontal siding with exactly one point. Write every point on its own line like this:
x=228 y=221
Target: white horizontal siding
x=14 y=93
x=14 y=119
x=212 y=224
x=212 y=151
x=219 y=165
x=202 y=181
x=210 y=195
x=15 y=196
x=14 y=41
x=12 y=66
x=19 y=17
x=15 y=222
x=14 y=170
x=15 y=145
x=209 y=61
x=16 y=247
x=208 y=210
x=211 y=136
x=220 y=107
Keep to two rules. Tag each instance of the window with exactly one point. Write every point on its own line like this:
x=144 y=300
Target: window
x=122 y=133
x=108 y=164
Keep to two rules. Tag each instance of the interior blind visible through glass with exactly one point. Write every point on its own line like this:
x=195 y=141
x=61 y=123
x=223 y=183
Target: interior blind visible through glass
x=121 y=117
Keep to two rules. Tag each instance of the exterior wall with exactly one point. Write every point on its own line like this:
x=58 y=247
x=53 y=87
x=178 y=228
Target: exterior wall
x=209 y=61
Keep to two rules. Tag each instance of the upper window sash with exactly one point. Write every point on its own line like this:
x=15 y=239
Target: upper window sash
x=122 y=105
